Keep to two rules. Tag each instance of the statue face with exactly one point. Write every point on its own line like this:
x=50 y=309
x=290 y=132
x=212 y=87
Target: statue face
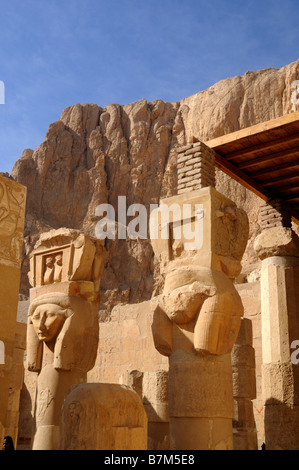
x=47 y=321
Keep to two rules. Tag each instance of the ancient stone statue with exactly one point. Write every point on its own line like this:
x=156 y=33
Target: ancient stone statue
x=62 y=332
x=197 y=317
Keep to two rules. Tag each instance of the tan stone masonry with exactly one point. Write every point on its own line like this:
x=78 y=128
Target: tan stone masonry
x=12 y=215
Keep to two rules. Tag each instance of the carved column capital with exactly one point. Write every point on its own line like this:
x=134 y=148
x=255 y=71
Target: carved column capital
x=277 y=237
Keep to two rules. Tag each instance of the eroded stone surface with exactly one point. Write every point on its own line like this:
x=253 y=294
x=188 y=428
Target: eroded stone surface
x=103 y=417
x=12 y=216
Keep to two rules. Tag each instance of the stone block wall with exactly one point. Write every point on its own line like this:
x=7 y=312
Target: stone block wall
x=13 y=202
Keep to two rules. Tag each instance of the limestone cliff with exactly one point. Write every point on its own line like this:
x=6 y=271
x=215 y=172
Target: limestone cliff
x=92 y=155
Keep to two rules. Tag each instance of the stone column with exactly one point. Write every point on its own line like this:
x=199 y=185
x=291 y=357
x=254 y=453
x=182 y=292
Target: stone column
x=16 y=383
x=12 y=215
x=199 y=238
x=152 y=387
x=244 y=389
x=155 y=402
x=278 y=248
x=63 y=330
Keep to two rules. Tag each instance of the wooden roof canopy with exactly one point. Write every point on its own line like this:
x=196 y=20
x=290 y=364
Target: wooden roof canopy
x=264 y=158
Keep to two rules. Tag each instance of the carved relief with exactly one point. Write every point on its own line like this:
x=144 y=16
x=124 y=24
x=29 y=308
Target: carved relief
x=44 y=400
x=12 y=197
x=52 y=270
x=72 y=422
x=97 y=416
x=198 y=287
x=62 y=256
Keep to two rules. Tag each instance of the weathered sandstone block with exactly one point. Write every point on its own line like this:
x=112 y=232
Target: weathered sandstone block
x=103 y=417
x=12 y=216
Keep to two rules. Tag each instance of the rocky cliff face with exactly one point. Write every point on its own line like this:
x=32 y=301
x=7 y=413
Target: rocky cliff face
x=92 y=155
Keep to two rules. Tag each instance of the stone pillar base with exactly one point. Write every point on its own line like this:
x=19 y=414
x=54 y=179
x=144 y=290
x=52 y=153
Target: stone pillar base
x=46 y=437
x=201 y=434
x=201 y=403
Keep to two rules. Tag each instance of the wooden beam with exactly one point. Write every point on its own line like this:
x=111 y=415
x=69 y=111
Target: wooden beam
x=265 y=158
x=288 y=192
x=263 y=146
x=242 y=178
x=274 y=169
x=254 y=130
x=295 y=217
x=251 y=184
x=276 y=133
x=287 y=179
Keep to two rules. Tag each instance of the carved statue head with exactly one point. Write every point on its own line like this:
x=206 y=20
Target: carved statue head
x=65 y=271
x=68 y=325
x=47 y=320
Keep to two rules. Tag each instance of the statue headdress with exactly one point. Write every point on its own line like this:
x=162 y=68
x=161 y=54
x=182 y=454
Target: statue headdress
x=65 y=269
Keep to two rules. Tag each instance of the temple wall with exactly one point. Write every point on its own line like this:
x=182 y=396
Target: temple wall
x=12 y=216
x=126 y=344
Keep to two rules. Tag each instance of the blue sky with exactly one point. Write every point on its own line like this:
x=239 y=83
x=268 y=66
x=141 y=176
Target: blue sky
x=57 y=53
